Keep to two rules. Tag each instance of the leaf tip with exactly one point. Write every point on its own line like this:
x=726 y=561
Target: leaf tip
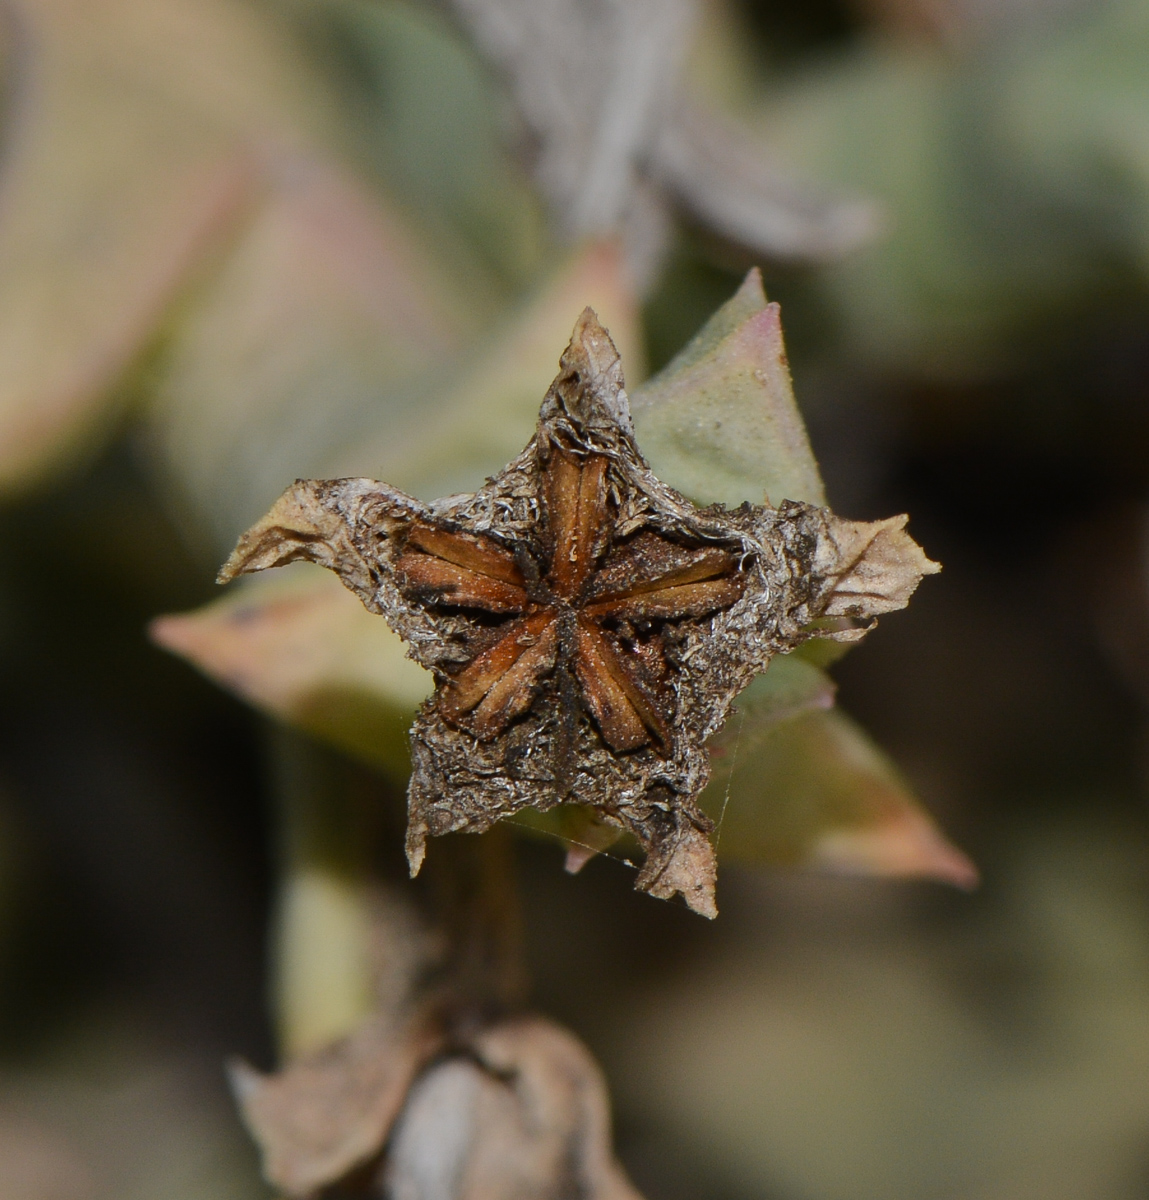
x=577 y=857
x=752 y=289
x=168 y=632
x=245 y=1081
x=684 y=863
x=906 y=844
x=231 y=569
x=416 y=848
x=592 y=350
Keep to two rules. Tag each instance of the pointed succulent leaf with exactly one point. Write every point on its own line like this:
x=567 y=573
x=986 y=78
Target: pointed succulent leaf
x=790 y=686
x=815 y=790
x=720 y=422
x=303 y=649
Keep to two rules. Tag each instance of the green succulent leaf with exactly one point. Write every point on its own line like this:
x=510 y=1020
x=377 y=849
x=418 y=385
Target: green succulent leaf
x=815 y=790
x=720 y=422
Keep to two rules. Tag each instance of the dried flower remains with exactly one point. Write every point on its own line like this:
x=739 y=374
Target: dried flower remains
x=587 y=626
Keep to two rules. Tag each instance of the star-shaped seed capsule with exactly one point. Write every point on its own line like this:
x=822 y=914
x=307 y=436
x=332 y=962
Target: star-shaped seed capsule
x=587 y=626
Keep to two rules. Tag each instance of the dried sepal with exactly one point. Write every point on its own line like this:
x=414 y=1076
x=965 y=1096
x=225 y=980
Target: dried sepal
x=878 y=567
x=588 y=627
x=518 y=1107
x=524 y=1113
x=331 y=1111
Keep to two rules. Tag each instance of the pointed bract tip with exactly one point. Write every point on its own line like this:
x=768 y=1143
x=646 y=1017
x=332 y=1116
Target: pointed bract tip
x=592 y=351
x=905 y=844
x=587 y=322
x=416 y=850
x=230 y=569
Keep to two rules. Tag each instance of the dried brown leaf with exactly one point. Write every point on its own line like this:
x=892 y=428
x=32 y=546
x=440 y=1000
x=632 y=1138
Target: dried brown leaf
x=331 y=1111
x=879 y=566
x=526 y=1116
x=518 y=1108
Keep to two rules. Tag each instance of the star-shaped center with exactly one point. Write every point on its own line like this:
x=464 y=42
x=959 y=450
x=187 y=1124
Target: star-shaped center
x=589 y=607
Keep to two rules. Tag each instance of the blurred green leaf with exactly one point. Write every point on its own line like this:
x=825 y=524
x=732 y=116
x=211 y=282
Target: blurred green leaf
x=299 y=645
x=432 y=123
x=1015 y=176
x=720 y=422
x=791 y=686
x=322 y=326
x=134 y=147
x=815 y=790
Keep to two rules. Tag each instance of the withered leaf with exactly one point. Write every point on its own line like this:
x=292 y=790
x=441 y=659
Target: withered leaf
x=525 y=1114
x=587 y=626
x=517 y=1108
x=331 y=1111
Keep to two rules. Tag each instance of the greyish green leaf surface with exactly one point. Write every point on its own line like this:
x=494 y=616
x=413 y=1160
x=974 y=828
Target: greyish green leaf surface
x=138 y=137
x=815 y=790
x=1015 y=176
x=322 y=324
x=720 y=422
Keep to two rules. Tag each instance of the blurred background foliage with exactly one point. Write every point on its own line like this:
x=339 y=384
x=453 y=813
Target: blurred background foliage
x=242 y=241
